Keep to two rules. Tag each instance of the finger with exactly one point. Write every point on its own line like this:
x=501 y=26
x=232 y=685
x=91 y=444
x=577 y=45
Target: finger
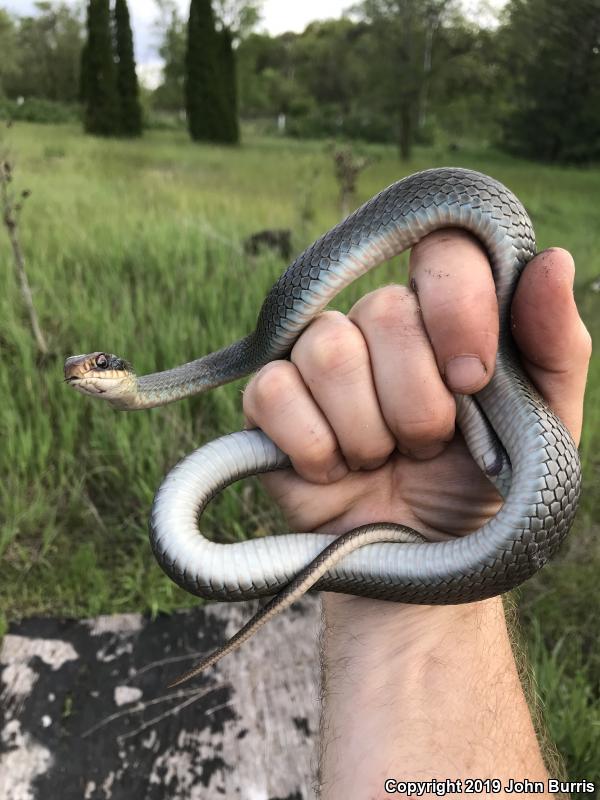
x=277 y=401
x=451 y=274
x=416 y=405
x=554 y=343
x=333 y=359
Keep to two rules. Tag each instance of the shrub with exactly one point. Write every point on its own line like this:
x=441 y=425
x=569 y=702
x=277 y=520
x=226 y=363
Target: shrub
x=34 y=109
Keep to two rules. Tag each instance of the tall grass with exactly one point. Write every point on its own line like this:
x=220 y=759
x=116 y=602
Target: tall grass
x=135 y=248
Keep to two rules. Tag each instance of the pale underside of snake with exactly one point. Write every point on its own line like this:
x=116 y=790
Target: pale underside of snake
x=517 y=441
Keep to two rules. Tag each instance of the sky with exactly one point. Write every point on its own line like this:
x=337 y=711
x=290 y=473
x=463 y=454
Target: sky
x=278 y=16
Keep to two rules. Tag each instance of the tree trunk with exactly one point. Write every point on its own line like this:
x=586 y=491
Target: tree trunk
x=406 y=130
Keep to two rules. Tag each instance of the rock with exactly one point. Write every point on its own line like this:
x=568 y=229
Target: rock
x=85 y=712
x=280 y=241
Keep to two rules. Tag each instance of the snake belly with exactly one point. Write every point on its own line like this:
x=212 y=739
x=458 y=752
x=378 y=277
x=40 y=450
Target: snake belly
x=543 y=488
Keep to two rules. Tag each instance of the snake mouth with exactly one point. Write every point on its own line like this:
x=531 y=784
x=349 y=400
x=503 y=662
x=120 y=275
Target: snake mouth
x=91 y=387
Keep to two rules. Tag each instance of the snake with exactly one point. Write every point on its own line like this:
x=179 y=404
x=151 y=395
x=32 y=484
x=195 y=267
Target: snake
x=512 y=434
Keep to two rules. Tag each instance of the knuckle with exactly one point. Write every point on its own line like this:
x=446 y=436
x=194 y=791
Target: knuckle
x=438 y=426
x=270 y=386
x=369 y=455
x=332 y=344
x=318 y=454
x=392 y=309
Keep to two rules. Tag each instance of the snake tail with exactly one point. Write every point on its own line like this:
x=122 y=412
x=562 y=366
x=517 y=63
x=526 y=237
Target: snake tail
x=304 y=580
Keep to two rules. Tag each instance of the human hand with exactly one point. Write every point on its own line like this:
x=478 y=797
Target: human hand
x=364 y=408
x=365 y=411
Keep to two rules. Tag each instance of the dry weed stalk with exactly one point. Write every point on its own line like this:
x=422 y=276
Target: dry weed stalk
x=12 y=205
x=348 y=167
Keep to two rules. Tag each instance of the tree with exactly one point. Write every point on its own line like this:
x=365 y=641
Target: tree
x=235 y=18
x=9 y=63
x=48 y=49
x=345 y=77
x=127 y=83
x=331 y=60
x=101 y=115
x=404 y=36
x=271 y=75
x=552 y=68
x=240 y=17
x=466 y=88
x=172 y=32
x=227 y=66
x=84 y=70
x=204 y=96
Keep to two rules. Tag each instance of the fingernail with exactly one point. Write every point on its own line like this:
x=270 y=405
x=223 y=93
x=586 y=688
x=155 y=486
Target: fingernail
x=337 y=473
x=465 y=374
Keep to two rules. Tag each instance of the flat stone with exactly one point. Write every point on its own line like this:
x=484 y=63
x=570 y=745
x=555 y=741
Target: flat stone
x=85 y=712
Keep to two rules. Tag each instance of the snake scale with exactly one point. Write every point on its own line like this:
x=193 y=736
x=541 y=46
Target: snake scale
x=511 y=433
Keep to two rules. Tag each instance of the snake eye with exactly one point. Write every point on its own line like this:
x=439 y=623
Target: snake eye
x=101 y=361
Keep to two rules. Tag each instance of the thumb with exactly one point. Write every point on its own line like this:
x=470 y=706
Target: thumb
x=554 y=343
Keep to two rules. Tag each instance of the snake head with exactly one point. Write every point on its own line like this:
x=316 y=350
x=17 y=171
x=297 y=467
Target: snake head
x=101 y=375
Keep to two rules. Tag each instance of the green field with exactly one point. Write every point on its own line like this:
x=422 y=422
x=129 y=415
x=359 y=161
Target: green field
x=135 y=248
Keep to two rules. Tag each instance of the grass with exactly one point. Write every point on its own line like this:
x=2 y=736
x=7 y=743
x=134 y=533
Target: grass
x=135 y=248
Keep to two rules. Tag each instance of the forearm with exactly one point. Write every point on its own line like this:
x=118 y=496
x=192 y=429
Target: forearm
x=420 y=693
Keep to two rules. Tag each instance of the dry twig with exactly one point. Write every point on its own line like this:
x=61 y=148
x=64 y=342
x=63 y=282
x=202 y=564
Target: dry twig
x=12 y=206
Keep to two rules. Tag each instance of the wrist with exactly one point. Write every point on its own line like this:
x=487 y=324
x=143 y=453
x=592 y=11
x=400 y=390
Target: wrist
x=436 y=691
x=374 y=632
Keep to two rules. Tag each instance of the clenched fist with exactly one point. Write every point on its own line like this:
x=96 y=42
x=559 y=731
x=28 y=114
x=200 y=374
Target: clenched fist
x=364 y=407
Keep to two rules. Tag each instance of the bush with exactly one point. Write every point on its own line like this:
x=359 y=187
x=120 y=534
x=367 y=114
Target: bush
x=156 y=120
x=328 y=121
x=34 y=109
